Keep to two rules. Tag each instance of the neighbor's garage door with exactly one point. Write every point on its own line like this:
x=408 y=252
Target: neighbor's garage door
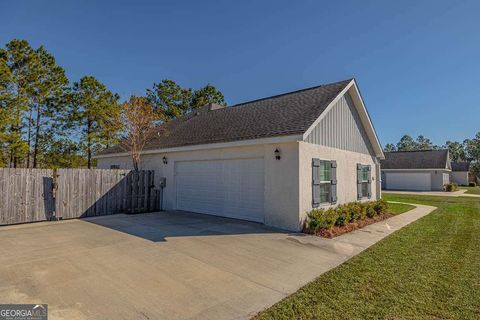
x=229 y=188
x=408 y=181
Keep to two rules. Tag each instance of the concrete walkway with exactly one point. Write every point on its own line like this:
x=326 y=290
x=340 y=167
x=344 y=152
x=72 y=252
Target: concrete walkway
x=168 y=265
x=459 y=193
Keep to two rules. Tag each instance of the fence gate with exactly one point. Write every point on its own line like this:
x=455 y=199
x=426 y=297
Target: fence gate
x=25 y=195
x=95 y=192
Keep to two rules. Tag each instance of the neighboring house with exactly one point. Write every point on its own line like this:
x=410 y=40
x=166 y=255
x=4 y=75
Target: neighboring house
x=270 y=160
x=416 y=170
x=460 y=173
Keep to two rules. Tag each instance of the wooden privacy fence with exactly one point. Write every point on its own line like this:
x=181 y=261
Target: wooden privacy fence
x=25 y=195
x=95 y=192
x=29 y=195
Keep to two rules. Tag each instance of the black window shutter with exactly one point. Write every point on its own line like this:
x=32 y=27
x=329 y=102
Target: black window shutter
x=315 y=183
x=333 y=197
x=359 y=181
x=369 y=181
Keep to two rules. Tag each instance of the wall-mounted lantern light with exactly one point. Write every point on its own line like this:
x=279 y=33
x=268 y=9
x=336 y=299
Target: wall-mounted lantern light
x=165 y=160
x=277 y=154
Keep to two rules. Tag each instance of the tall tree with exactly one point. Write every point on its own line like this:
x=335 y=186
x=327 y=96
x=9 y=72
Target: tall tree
x=62 y=153
x=139 y=122
x=406 y=143
x=472 y=148
x=423 y=143
x=169 y=99
x=48 y=97
x=206 y=95
x=456 y=150
x=6 y=119
x=389 y=147
x=19 y=63
x=95 y=112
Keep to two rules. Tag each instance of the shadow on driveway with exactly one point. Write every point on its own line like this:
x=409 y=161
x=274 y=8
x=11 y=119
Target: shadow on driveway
x=158 y=226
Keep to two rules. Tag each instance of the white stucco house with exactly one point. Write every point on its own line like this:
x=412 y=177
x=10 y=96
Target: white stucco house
x=425 y=170
x=460 y=173
x=270 y=160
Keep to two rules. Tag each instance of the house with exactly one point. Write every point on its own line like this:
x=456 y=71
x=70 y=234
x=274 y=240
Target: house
x=270 y=160
x=460 y=173
x=425 y=170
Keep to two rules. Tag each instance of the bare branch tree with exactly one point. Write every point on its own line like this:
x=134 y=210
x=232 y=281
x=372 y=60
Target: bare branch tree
x=139 y=121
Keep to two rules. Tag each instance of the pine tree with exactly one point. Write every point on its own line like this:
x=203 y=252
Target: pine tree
x=95 y=112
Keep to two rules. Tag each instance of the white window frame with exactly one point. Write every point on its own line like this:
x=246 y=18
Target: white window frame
x=326 y=163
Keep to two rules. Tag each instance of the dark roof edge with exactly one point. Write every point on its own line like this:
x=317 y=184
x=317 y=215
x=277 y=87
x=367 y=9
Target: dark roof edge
x=291 y=92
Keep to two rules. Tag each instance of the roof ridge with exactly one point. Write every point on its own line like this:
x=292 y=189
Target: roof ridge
x=291 y=92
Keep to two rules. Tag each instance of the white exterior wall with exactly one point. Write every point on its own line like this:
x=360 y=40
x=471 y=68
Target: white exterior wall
x=459 y=177
x=438 y=178
x=281 y=195
x=346 y=174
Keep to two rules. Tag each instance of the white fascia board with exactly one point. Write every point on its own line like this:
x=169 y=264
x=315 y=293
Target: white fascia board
x=238 y=143
x=362 y=111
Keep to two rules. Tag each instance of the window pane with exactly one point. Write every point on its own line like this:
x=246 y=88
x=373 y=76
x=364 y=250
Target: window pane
x=364 y=173
x=364 y=189
x=325 y=169
x=325 y=192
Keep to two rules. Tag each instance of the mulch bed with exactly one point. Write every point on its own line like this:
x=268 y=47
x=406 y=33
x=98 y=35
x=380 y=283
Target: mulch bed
x=339 y=230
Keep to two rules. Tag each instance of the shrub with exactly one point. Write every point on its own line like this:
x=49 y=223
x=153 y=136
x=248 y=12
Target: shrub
x=380 y=206
x=318 y=219
x=451 y=187
x=357 y=211
x=370 y=209
x=472 y=184
x=343 y=215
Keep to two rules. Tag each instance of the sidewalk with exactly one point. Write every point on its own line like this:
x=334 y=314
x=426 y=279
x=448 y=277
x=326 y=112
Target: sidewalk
x=459 y=193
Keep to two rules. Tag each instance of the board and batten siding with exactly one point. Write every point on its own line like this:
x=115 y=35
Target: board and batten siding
x=341 y=128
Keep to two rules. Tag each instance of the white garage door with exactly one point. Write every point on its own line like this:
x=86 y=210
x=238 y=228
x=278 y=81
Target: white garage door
x=408 y=181
x=229 y=188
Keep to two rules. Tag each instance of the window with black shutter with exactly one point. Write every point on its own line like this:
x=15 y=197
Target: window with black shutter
x=364 y=181
x=324 y=182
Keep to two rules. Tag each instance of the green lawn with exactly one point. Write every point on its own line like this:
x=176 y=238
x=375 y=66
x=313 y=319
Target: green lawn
x=472 y=190
x=397 y=208
x=430 y=269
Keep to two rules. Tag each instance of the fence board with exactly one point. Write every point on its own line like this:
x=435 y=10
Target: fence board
x=25 y=195
x=87 y=193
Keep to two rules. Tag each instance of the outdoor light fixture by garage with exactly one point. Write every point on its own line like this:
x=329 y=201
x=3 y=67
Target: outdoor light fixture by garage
x=165 y=160
x=277 y=154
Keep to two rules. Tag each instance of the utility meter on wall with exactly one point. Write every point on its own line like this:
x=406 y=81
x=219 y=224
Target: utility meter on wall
x=163 y=182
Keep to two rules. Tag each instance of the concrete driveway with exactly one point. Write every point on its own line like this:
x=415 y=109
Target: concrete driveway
x=166 y=265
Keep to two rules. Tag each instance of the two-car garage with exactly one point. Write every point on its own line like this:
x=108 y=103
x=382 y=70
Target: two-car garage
x=231 y=188
x=418 y=170
x=417 y=181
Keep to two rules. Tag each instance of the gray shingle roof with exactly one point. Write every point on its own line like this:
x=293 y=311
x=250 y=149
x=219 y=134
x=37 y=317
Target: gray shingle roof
x=460 y=166
x=429 y=159
x=285 y=114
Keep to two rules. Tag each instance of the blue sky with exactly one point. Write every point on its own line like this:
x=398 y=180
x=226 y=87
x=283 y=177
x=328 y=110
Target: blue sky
x=416 y=62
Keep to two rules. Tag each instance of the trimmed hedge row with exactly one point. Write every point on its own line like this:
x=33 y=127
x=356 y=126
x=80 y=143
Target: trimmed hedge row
x=319 y=219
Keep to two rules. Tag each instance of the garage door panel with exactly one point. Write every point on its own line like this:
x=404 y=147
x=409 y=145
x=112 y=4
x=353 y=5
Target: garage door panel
x=231 y=188
x=408 y=181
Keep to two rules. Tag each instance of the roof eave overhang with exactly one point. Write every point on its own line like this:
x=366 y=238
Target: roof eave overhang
x=352 y=88
x=231 y=144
